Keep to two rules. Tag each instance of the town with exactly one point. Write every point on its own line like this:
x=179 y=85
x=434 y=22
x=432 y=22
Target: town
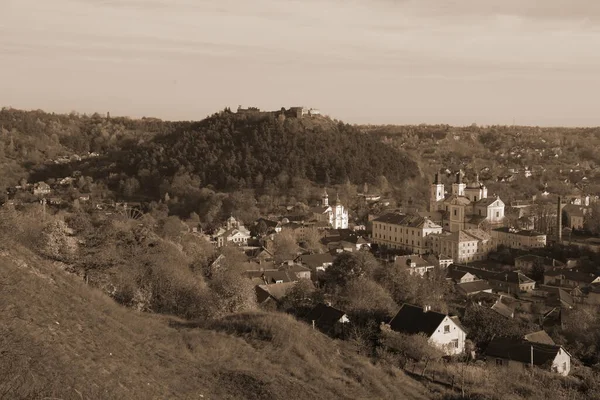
x=461 y=235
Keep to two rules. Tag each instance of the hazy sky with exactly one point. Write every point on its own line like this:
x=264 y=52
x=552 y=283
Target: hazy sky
x=362 y=61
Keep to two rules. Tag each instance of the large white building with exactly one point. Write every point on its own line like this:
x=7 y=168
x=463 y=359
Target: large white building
x=402 y=231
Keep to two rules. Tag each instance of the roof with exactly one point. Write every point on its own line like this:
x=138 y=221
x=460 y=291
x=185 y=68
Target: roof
x=572 y=275
x=412 y=319
x=455 y=274
x=319 y=210
x=520 y=350
x=539 y=337
x=271 y=275
x=325 y=316
x=410 y=220
x=561 y=296
x=488 y=201
x=503 y=309
x=420 y=262
x=276 y=291
x=454 y=199
x=315 y=260
x=473 y=287
x=522 y=232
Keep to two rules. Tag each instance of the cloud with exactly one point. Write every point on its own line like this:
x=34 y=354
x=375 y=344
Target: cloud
x=312 y=51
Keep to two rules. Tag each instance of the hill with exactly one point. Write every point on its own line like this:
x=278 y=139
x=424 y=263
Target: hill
x=59 y=338
x=226 y=150
x=230 y=151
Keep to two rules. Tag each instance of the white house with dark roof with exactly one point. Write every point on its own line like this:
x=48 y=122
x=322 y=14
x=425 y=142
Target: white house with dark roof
x=443 y=331
x=522 y=354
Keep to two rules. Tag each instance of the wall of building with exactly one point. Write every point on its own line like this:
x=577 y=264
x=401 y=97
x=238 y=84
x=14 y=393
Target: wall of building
x=444 y=340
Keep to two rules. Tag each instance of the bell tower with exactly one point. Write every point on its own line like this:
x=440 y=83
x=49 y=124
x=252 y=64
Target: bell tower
x=436 y=193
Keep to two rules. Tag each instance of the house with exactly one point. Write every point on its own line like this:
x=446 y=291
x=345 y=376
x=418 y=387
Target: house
x=315 y=262
x=473 y=287
x=440 y=260
x=570 y=278
x=509 y=281
x=459 y=276
x=270 y=276
x=462 y=246
x=518 y=238
x=402 y=231
x=327 y=319
x=527 y=262
x=415 y=264
x=558 y=297
x=299 y=270
x=41 y=189
x=259 y=254
x=520 y=353
x=273 y=292
x=575 y=215
x=443 y=331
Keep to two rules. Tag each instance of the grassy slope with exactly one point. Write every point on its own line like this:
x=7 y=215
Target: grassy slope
x=60 y=336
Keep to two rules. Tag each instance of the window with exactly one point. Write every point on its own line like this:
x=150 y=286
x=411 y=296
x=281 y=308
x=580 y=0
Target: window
x=446 y=328
x=497 y=214
x=564 y=366
x=455 y=212
x=454 y=344
x=498 y=361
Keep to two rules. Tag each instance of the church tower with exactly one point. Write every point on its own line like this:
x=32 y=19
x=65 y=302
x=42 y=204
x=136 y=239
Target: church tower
x=325 y=199
x=436 y=193
x=458 y=188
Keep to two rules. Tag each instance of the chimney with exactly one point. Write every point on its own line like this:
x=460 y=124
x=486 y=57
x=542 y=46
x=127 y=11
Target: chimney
x=426 y=308
x=559 y=220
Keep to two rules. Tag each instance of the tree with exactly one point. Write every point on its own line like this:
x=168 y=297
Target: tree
x=415 y=347
x=301 y=297
x=312 y=241
x=130 y=187
x=285 y=246
x=348 y=267
x=484 y=324
x=366 y=299
x=233 y=293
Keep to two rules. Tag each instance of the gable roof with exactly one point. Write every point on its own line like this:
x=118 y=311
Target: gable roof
x=488 y=202
x=539 y=337
x=315 y=260
x=473 y=287
x=412 y=319
x=503 y=309
x=275 y=291
x=325 y=316
x=520 y=350
x=558 y=295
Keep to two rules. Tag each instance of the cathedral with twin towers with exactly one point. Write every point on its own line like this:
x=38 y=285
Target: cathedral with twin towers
x=467 y=206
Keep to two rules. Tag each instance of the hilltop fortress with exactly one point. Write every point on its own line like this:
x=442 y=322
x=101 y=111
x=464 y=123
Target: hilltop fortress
x=292 y=112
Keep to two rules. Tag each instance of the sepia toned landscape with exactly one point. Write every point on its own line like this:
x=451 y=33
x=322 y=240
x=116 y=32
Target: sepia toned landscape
x=299 y=200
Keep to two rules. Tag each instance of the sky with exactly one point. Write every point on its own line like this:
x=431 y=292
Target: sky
x=529 y=62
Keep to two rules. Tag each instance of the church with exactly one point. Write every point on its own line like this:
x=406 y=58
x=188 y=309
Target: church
x=467 y=207
x=336 y=215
